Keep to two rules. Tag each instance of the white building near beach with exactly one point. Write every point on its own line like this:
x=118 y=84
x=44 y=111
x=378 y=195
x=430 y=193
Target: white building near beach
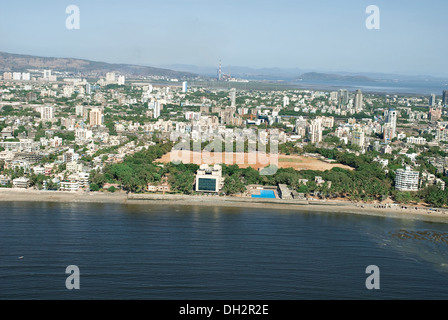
x=406 y=180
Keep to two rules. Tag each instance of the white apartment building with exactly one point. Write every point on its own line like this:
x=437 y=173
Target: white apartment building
x=69 y=186
x=21 y=182
x=315 y=130
x=47 y=112
x=358 y=137
x=209 y=179
x=406 y=179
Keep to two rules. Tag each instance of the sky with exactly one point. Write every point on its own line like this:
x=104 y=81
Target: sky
x=315 y=35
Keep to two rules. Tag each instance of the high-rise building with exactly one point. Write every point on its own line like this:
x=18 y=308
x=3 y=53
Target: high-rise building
x=432 y=100
x=79 y=109
x=357 y=102
x=406 y=179
x=88 y=88
x=110 y=77
x=7 y=76
x=445 y=97
x=219 y=71
x=96 y=117
x=47 y=112
x=342 y=96
x=300 y=127
x=16 y=76
x=315 y=130
x=121 y=80
x=391 y=118
x=233 y=97
x=47 y=74
x=334 y=95
x=358 y=137
x=285 y=101
x=26 y=76
x=184 y=86
x=387 y=132
x=155 y=106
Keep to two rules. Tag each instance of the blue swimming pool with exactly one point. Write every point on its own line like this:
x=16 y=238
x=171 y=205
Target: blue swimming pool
x=265 y=194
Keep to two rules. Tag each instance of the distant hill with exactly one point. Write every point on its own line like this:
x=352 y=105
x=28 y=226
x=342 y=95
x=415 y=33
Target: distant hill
x=20 y=63
x=316 y=76
x=240 y=71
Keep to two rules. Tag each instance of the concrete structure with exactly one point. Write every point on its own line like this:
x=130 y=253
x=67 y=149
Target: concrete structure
x=342 y=97
x=432 y=100
x=232 y=97
x=284 y=192
x=69 y=186
x=47 y=113
x=47 y=74
x=315 y=130
x=357 y=102
x=209 y=179
x=155 y=107
x=406 y=179
x=391 y=119
x=358 y=137
x=88 y=88
x=21 y=182
x=96 y=117
x=110 y=77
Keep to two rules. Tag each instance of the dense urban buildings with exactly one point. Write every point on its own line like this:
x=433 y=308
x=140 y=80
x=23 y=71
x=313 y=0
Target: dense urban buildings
x=75 y=135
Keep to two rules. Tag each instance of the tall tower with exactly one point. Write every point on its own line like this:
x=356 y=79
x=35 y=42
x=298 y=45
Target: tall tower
x=358 y=101
x=219 y=71
x=96 y=117
x=391 y=119
x=432 y=100
x=342 y=97
x=358 y=137
x=233 y=97
x=445 y=97
x=316 y=130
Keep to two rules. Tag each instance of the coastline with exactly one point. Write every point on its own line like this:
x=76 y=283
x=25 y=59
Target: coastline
x=337 y=207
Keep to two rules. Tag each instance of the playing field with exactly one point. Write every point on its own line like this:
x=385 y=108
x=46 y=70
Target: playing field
x=253 y=160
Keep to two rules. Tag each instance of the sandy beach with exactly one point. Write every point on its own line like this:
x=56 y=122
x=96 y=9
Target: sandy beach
x=336 y=207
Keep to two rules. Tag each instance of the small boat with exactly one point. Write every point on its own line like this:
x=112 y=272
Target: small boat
x=20 y=258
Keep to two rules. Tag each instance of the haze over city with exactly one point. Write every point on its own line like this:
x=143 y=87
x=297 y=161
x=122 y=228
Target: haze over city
x=328 y=36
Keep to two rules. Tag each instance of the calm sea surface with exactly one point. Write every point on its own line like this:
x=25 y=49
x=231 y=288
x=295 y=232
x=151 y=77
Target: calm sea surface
x=419 y=87
x=189 y=252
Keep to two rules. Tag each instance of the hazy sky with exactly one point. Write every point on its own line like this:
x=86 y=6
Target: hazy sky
x=323 y=35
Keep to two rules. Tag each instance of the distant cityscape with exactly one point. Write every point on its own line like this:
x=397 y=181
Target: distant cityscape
x=75 y=134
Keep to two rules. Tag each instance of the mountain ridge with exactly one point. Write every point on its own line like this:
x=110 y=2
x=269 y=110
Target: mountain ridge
x=84 y=67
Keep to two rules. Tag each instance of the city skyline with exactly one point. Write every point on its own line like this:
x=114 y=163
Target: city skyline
x=328 y=37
